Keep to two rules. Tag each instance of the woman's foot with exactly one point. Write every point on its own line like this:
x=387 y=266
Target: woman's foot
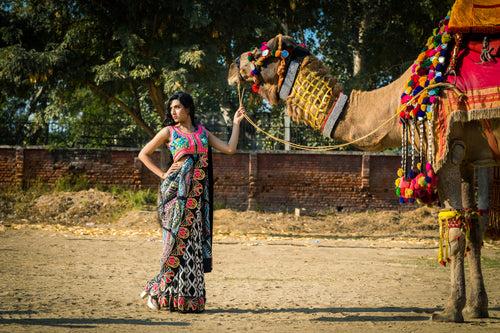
x=152 y=304
x=144 y=294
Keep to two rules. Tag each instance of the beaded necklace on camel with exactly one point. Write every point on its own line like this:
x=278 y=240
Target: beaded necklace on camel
x=417 y=181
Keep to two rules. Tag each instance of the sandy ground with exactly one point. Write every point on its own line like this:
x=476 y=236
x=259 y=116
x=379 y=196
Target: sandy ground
x=58 y=278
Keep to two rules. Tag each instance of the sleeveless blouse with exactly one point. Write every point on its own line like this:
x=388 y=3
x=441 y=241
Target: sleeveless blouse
x=182 y=144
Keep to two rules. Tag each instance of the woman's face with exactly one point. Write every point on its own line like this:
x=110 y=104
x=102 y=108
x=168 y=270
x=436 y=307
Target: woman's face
x=179 y=113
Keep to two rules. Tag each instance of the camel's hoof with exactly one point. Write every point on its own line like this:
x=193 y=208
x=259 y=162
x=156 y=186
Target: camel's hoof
x=476 y=313
x=444 y=316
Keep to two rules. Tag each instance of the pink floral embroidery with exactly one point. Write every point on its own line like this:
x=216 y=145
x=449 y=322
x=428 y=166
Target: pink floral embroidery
x=183 y=233
x=198 y=174
x=191 y=203
x=172 y=261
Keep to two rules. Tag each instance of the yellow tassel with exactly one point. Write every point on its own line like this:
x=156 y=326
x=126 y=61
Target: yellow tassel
x=444 y=239
x=447 y=243
x=441 y=236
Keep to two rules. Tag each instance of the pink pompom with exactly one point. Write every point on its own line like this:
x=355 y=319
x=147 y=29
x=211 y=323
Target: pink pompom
x=430 y=53
x=405 y=99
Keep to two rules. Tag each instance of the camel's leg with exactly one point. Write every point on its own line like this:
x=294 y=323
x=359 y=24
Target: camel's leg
x=450 y=195
x=477 y=305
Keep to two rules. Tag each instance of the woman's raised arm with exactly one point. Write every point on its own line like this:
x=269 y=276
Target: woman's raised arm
x=230 y=147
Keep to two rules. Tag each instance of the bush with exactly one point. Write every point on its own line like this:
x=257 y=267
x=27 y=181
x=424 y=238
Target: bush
x=72 y=183
x=137 y=199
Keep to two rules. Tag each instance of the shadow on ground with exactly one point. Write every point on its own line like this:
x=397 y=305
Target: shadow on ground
x=86 y=322
x=328 y=310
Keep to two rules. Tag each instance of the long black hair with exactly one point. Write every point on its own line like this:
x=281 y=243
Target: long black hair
x=186 y=100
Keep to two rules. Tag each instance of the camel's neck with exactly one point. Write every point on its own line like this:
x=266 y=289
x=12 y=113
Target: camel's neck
x=315 y=92
x=367 y=110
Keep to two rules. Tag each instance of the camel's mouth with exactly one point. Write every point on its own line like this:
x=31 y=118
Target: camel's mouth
x=240 y=71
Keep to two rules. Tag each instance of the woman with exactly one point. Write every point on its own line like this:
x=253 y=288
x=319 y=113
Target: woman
x=184 y=207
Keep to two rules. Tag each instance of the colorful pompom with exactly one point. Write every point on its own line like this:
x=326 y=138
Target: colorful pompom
x=400 y=172
x=427 y=70
x=255 y=88
x=397 y=182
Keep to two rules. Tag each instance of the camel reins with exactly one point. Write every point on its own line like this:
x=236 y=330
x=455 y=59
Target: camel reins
x=241 y=93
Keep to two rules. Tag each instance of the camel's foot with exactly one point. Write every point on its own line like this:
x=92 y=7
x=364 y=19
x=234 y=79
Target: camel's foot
x=476 y=312
x=448 y=316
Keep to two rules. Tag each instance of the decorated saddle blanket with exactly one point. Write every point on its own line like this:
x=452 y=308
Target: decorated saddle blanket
x=453 y=79
x=479 y=82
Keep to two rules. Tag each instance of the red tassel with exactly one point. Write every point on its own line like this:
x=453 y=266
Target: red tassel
x=255 y=88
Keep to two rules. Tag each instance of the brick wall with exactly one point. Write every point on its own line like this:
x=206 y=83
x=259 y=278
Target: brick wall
x=259 y=180
x=7 y=166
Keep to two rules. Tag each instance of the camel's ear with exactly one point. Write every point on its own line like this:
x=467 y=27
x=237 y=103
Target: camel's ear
x=233 y=75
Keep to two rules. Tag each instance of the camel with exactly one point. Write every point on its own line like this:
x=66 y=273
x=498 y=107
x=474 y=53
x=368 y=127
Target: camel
x=468 y=151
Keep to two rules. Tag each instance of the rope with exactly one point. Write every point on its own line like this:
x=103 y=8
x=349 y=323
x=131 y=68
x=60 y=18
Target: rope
x=320 y=148
x=333 y=147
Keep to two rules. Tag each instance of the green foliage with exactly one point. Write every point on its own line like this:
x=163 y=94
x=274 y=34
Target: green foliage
x=393 y=32
x=140 y=199
x=84 y=120
x=72 y=183
x=137 y=199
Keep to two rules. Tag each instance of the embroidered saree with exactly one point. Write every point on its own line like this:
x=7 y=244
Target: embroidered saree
x=186 y=220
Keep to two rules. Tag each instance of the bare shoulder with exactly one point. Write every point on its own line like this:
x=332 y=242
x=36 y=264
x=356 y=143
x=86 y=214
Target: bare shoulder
x=164 y=132
x=162 y=136
x=166 y=129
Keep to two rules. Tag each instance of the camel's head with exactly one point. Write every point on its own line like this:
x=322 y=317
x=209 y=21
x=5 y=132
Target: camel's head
x=263 y=67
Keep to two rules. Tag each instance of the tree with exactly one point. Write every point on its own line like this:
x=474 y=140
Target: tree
x=369 y=43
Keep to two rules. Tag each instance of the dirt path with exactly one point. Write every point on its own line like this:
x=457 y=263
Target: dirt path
x=57 y=281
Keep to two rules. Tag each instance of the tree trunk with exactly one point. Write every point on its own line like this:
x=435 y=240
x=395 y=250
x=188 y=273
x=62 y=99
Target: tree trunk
x=357 y=59
x=132 y=112
x=157 y=98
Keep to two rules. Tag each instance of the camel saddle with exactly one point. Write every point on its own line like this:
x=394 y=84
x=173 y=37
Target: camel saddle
x=475 y=16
